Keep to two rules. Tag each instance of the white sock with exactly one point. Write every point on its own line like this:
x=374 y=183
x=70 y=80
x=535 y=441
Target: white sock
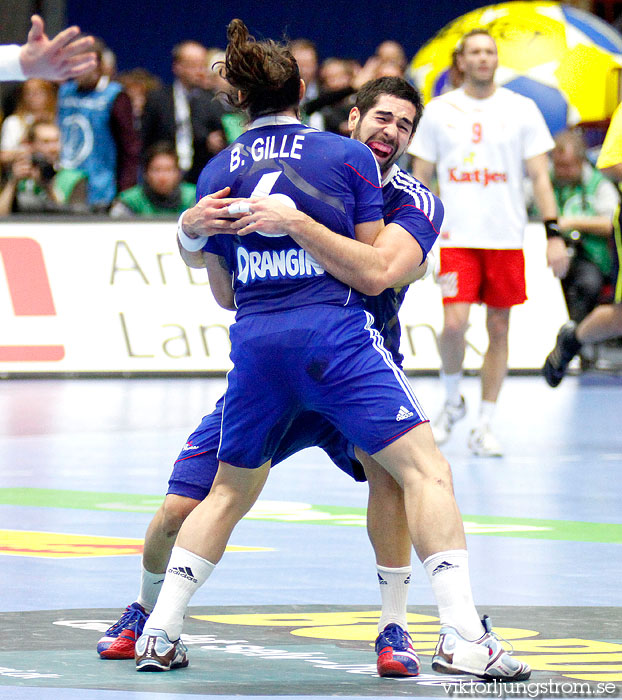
x=451 y=382
x=150 y=586
x=486 y=412
x=185 y=574
x=449 y=576
x=394 y=585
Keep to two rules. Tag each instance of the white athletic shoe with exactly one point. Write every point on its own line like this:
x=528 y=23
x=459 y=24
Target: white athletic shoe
x=484 y=658
x=442 y=426
x=484 y=444
x=155 y=652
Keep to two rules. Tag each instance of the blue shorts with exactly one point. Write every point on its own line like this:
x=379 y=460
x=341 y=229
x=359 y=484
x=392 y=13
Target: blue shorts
x=197 y=464
x=328 y=360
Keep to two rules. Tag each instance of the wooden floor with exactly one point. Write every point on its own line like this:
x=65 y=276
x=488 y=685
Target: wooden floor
x=291 y=612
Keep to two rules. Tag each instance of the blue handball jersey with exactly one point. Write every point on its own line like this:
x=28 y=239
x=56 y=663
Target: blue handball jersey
x=333 y=179
x=411 y=205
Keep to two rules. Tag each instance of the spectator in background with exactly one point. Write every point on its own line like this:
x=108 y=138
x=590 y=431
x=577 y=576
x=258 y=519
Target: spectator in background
x=162 y=192
x=341 y=80
x=215 y=82
x=98 y=135
x=225 y=123
x=36 y=101
x=605 y=321
x=337 y=75
x=586 y=201
x=36 y=183
x=181 y=113
x=138 y=83
x=109 y=65
x=389 y=69
x=392 y=52
x=305 y=53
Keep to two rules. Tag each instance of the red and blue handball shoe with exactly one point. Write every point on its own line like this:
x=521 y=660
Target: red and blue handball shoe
x=119 y=641
x=396 y=656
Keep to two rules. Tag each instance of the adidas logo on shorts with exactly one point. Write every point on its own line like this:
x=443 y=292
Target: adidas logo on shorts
x=403 y=414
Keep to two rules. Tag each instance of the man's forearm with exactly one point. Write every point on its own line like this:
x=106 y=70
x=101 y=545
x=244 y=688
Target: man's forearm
x=594 y=225
x=356 y=264
x=538 y=171
x=544 y=196
x=7 y=195
x=191 y=258
x=380 y=258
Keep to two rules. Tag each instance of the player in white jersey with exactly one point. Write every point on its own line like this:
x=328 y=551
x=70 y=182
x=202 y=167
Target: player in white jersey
x=60 y=58
x=478 y=138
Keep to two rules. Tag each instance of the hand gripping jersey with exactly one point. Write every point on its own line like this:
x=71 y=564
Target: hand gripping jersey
x=479 y=147
x=332 y=179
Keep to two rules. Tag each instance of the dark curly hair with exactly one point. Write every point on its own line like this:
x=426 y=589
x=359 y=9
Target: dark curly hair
x=264 y=72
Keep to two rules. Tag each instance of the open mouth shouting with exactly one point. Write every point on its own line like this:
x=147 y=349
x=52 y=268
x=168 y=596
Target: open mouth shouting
x=381 y=149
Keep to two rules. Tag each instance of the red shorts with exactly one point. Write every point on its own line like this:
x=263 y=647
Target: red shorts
x=473 y=275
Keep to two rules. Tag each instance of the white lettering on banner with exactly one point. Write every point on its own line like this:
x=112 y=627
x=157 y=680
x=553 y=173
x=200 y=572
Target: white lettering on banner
x=168 y=267
x=275 y=264
x=132 y=306
x=203 y=340
x=121 y=250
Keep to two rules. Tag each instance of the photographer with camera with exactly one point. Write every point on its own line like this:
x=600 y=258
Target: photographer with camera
x=586 y=201
x=36 y=184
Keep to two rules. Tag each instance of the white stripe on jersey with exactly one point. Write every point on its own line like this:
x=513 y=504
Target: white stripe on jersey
x=222 y=415
x=421 y=195
x=388 y=359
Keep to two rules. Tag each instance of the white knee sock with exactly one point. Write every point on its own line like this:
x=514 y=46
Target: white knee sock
x=185 y=574
x=150 y=586
x=449 y=575
x=451 y=382
x=394 y=584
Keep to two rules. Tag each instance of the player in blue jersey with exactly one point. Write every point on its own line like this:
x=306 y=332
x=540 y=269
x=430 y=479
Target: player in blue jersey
x=328 y=356
x=292 y=353
x=411 y=207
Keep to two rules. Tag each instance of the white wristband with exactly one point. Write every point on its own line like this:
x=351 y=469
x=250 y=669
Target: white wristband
x=192 y=245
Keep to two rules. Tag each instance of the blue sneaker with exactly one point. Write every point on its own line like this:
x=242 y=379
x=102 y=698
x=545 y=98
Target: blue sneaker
x=120 y=639
x=484 y=658
x=396 y=656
